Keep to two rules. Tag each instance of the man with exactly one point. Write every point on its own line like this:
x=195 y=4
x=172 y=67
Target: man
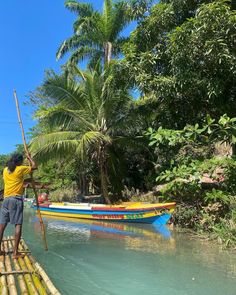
x=12 y=206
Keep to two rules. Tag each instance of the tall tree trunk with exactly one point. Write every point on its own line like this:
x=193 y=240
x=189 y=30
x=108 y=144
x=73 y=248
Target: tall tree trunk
x=84 y=185
x=104 y=177
x=233 y=4
x=108 y=52
x=233 y=149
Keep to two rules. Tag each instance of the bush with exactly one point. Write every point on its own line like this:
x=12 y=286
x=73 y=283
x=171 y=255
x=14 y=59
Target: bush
x=64 y=195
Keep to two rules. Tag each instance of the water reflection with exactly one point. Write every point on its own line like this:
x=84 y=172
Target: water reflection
x=97 y=257
x=138 y=237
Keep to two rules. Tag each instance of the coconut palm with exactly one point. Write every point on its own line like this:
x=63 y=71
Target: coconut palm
x=97 y=35
x=87 y=116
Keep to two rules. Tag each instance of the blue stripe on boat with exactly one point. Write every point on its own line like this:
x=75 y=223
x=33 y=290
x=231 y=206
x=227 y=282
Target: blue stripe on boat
x=89 y=212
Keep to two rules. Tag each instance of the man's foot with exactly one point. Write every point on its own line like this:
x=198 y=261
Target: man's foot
x=18 y=255
x=2 y=253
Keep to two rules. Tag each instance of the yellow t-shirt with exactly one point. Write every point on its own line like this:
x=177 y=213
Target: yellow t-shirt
x=13 y=182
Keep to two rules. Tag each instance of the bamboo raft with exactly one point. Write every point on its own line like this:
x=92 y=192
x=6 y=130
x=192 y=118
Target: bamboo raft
x=22 y=275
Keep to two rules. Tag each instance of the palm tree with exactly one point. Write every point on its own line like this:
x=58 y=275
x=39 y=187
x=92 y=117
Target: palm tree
x=87 y=116
x=97 y=35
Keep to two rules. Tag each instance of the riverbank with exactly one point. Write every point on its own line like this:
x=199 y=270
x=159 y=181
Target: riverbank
x=207 y=222
x=213 y=221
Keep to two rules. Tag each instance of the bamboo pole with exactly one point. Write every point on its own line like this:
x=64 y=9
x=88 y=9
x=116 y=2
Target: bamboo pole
x=35 y=277
x=16 y=272
x=32 y=179
x=38 y=281
x=27 y=277
x=46 y=279
x=3 y=280
x=20 y=277
x=0 y=287
x=24 y=246
x=39 y=270
x=10 y=278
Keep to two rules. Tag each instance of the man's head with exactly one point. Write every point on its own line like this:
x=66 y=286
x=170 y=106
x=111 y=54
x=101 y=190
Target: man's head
x=15 y=160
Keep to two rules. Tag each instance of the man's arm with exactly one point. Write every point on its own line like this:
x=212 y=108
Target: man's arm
x=32 y=162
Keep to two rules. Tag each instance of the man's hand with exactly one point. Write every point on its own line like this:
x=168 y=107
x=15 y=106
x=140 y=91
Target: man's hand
x=28 y=156
x=32 y=162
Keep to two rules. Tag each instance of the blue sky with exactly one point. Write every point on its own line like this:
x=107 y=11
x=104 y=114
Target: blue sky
x=30 y=33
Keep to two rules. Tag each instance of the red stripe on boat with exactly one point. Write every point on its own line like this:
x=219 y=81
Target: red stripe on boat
x=132 y=209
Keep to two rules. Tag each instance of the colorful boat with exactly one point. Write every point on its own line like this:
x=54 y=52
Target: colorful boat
x=126 y=212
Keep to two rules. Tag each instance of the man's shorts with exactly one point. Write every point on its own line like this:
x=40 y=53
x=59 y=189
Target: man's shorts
x=12 y=210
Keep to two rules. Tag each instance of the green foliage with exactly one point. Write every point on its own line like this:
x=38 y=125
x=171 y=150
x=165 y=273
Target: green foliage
x=186 y=216
x=210 y=33
x=3 y=160
x=209 y=220
x=189 y=155
x=180 y=56
x=224 y=130
x=64 y=194
x=53 y=174
x=225 y=232
x=204 y=184
x=218 y=196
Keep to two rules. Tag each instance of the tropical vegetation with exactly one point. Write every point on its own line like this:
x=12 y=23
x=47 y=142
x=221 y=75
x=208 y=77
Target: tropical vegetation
x=88 y=114
x=98 y=35
x=153 y=116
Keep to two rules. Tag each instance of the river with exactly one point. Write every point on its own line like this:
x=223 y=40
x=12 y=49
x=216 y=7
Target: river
x=121 y=259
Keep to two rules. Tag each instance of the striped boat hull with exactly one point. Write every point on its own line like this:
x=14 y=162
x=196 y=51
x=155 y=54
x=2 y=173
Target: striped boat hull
x=135 y=213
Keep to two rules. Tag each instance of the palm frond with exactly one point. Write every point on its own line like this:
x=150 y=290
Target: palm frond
x=63 y=90
x=91 y=138
x=82 y=53
x=106 y=18
x=54 y=144
x=62 y=117
x=68 y=45
x=72 y=44
x=95 y=61
x=120 y=19
x=82 y=9
x=86 y=25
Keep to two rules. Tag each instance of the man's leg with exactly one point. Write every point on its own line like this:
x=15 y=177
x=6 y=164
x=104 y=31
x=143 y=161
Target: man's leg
x=4 y=219
x=2 y=228
x=16 y=217
x=18 y=229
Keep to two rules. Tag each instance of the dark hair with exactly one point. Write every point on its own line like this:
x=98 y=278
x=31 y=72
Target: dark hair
x=16 y=160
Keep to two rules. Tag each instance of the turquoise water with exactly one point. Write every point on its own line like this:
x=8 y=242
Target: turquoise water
x=103 y=258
